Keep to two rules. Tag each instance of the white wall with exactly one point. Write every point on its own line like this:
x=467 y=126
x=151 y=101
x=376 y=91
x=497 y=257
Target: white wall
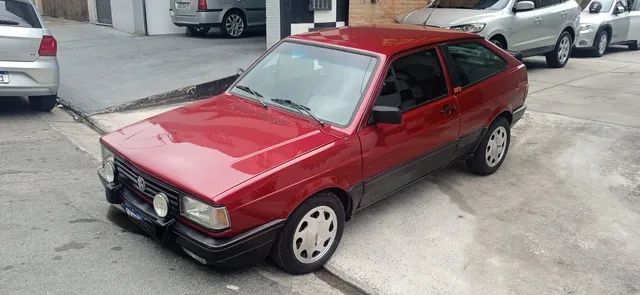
x=273 y=22
x=93 y=14
x=158 y=19
x=122 y=14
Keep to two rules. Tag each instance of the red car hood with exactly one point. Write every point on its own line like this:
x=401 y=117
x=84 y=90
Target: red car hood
x=209 y=147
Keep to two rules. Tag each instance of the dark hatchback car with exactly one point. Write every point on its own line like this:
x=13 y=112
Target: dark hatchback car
x=319 y=127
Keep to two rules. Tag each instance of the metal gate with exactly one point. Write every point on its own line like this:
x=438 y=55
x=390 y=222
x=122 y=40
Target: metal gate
x=103 y=9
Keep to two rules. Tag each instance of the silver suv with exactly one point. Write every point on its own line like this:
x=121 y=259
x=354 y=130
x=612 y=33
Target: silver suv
x=233 y=17
x=609 y=22
x=538 y=27
x=28 y=63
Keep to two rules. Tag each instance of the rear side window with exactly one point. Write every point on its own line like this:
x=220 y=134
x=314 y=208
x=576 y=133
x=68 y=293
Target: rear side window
x=18 y=14
x=473 y=63
x=413 y=80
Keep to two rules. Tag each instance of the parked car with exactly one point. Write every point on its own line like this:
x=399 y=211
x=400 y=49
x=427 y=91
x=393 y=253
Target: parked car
x=609 y=22
x=321 y=126
x=233 y=17
x=535 y=27
x=28 y=63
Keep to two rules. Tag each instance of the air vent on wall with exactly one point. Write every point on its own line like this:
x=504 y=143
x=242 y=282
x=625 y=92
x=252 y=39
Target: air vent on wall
x=315 y=5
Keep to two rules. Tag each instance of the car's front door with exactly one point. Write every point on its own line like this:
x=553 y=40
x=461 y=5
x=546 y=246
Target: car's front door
x=620 y=23
x=395 y=155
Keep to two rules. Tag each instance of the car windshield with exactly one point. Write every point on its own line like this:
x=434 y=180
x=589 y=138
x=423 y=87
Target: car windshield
x=473 y=4
x=18 y=14
x=606 y=4
x=329 y=83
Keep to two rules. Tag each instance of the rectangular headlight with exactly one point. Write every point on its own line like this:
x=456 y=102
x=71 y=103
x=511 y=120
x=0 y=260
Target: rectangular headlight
x=216 y=218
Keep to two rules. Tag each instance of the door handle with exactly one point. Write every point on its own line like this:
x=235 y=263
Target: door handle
x=448 y=109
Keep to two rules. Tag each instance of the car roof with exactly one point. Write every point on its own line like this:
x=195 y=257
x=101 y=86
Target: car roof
x=385 y=39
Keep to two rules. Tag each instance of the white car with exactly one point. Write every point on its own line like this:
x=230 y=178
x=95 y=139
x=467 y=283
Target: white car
x=609 y=22
x=538 y=27
x=28 y=62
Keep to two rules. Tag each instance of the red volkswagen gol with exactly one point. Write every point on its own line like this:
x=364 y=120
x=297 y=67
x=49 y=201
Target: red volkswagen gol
x=321 y=126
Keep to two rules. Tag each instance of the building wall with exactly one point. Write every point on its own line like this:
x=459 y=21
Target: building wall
x=273 y=22
x=69 y=9
x=122 y=15
x=383 y=11
x=158 y=18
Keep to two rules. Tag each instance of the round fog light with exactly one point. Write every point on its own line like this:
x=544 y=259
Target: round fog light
x=109 y=171
x=583 y=43
x=161 y=204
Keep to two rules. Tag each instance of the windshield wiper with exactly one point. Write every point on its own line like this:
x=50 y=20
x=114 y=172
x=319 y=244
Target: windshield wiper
x=255 y=94
x=299 y=107
x=8 y=22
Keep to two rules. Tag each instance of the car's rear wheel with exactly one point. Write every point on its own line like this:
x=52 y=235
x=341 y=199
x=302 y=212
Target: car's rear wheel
x=42 y=103
x=559 y=57
x=492 y=149
x=635 y=45
x=601 y=43
x=310 y=235
x=234 y=24
x=198 y=30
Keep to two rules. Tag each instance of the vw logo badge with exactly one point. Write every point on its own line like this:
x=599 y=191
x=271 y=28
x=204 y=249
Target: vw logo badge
x=141 y=184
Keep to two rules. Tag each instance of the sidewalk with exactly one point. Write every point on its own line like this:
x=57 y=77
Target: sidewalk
x=102 y=68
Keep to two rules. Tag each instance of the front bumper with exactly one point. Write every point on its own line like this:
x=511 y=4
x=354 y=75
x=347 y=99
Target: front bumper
x=212 y=17
x=586 y=39
x=246 y=248
x=31 y=78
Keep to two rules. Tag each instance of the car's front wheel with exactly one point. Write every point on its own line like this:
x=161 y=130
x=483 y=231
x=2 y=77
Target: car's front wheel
x=43 y=103
x=559 y=57
x=600 y=43
x=310 y=235
x=492 y=149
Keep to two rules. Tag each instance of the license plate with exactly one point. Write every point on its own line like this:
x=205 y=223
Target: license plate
x=182 y=5
x=4 y=77
x=142 y=222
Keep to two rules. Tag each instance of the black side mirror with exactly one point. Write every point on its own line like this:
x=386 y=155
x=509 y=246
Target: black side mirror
x=619 y=9
x=595 y=7
x=387 y=115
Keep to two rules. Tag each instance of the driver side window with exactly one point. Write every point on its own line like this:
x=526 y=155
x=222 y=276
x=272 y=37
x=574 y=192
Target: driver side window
x=413 y=80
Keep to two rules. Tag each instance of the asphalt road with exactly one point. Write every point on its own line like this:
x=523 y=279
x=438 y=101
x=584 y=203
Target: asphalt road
x=59 y=236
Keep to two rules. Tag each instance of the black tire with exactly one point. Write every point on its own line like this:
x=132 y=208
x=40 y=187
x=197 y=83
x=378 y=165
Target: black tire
x=282 y=252
x=635 y=46
x=498 y=42
x=234 y=17
x=198 y=30
x=554 y=58
x=478 y=163
x=597 y=52
x=42 y=103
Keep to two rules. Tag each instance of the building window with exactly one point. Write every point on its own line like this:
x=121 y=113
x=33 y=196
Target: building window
x=315 y=5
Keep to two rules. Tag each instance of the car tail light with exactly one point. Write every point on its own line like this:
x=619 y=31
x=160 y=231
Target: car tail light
x=48 y=46
x=202 y=5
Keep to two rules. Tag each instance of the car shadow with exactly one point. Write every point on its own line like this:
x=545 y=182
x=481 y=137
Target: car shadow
x=215 y=33
x=15 y=106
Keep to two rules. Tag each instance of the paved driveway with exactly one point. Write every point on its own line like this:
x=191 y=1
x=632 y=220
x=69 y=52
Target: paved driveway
x=102 y=68
x=562 y=215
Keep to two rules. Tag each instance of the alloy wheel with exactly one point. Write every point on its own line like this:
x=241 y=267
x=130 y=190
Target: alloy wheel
x=315 y=234
x=602 y=44
x=564 y=49
x=496 y=146
x=234 y=25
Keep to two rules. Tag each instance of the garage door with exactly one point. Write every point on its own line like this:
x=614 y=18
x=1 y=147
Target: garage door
x=103 y=9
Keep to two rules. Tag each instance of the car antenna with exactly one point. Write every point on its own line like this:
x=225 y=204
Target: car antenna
x=434 y=5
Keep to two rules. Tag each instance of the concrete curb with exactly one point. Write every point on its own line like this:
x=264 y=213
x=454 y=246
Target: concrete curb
x=185 y=94
x=351 y=280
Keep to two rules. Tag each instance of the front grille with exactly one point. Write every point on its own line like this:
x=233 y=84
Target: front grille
x=128 y=176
